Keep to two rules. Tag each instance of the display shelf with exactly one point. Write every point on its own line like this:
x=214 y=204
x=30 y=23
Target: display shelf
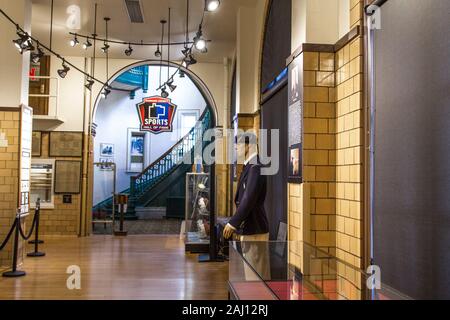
x=197 y=214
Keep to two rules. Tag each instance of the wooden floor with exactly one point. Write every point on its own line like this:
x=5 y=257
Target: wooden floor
x=135 y=267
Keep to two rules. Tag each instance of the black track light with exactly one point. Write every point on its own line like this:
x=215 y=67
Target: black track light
x=172 y=87
x=106 y=92
x=89 y=84
x=158 y=53
x=186 y=51
x=36 y=56
x=21 y=42
x=63 y=72
x=74 y=41
x=199 y=42
x=129 y=51
x=105 y=48
x=192 y=60
x=212 y=5
x=164 y=93
x=87 y=44
x=181 y=74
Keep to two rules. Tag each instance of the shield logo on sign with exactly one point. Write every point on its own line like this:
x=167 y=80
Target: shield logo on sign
x=156 y=114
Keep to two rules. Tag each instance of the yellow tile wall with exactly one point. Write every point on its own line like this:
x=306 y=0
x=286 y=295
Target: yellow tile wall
x=349 y=159
x=333 y=159
x=320 y=146
x=64 y=219
x=9 y=177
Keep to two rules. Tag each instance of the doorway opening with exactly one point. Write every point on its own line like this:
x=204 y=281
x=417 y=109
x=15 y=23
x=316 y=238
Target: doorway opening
x=147 y=139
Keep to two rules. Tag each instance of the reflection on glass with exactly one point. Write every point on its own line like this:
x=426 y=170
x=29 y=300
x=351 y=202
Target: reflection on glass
x=295 y=270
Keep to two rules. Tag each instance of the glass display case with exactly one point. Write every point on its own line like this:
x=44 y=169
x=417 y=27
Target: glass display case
x=41 y=176
x=197 y=215
x=295 y=270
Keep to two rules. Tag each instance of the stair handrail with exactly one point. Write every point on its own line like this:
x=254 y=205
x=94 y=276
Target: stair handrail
x=158 y=169
x=173 y=147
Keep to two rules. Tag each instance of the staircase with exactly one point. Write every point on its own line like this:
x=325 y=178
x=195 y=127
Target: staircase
x=164 y=179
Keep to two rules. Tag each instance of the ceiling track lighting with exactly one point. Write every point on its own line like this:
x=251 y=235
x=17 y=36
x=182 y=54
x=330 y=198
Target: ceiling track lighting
x=212 y=5
x=105 y=48
x=129 y=51
x=89 y=84
x=87 y=44
x=192 y=60
x=158 y=53
x=172 y=87
x=106 y=91
x=36 y=56
x=181 y=74
x=65 y=69
x=199 y=42
x=74 y=41
x=164 y=93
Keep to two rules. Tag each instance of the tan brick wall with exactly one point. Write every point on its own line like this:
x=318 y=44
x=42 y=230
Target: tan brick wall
x=350 y=155
x=64 y=219
x=333 y=160
x=9 y=177
x=319 y=154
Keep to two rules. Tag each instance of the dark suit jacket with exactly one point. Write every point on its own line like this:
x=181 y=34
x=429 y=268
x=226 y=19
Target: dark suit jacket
x=250 y=196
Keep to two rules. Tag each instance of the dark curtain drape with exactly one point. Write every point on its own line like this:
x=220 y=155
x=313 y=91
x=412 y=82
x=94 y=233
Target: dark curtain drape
x=277 y=40
x=276 y=48
x=412 y=166
x=274 y=116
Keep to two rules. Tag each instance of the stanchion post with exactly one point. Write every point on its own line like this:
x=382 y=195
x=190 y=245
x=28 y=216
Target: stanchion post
x=37 y=213
x=14 y=273
x=36 y=239
x=122 y=201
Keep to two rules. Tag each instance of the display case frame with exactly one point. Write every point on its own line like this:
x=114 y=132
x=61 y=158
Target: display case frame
x=198 y=213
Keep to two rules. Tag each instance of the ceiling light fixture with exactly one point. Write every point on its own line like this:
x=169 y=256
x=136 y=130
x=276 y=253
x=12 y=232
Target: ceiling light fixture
x=105 y=92
x=199 y=42
x=158 y=53
x=164 y=93
x=36 y=56
x=105 y=48
x=74 y=41
x=63 y=72
x=212 y=5
x=129 y=51
x=89 y=84
x=87 y=44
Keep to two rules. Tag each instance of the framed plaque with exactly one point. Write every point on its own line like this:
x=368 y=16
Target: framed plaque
x=26 y=129
x=36 y=144
x=66 y=144
x=67 y=177
x=295 y=121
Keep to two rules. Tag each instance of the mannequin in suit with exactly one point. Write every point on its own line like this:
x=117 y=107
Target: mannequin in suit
x=250 y=214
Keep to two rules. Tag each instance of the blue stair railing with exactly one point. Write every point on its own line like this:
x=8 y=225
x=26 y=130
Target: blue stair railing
x=164 y=166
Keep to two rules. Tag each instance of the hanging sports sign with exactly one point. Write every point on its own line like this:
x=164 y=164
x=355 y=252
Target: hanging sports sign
x=156 y=114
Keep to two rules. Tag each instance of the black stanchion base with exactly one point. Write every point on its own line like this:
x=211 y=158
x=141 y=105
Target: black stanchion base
x=14 y=274
x=33 y=242
x=121 y=233
x=36 y=254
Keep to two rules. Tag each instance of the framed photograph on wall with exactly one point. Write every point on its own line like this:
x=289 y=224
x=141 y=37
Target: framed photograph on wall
x=106 y=164
x=106 y=150
x=36 y=144
x=67 y=177
x=65 y=144
x=136 y=151
x=295 y=121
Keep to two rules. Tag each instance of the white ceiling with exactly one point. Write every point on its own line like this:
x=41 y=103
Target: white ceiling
x=220 y=26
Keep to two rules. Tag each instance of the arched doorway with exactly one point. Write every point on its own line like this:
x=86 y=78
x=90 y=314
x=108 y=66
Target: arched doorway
x=118 y=134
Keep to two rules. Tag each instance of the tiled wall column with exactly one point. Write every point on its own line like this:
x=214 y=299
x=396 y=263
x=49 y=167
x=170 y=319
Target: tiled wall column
x=9 y=177
x=319 y=158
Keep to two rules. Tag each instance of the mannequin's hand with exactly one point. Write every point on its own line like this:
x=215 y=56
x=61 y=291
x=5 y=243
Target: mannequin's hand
x=228 y=232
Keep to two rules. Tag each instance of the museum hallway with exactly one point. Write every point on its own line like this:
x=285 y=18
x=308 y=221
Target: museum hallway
x=132 y=268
